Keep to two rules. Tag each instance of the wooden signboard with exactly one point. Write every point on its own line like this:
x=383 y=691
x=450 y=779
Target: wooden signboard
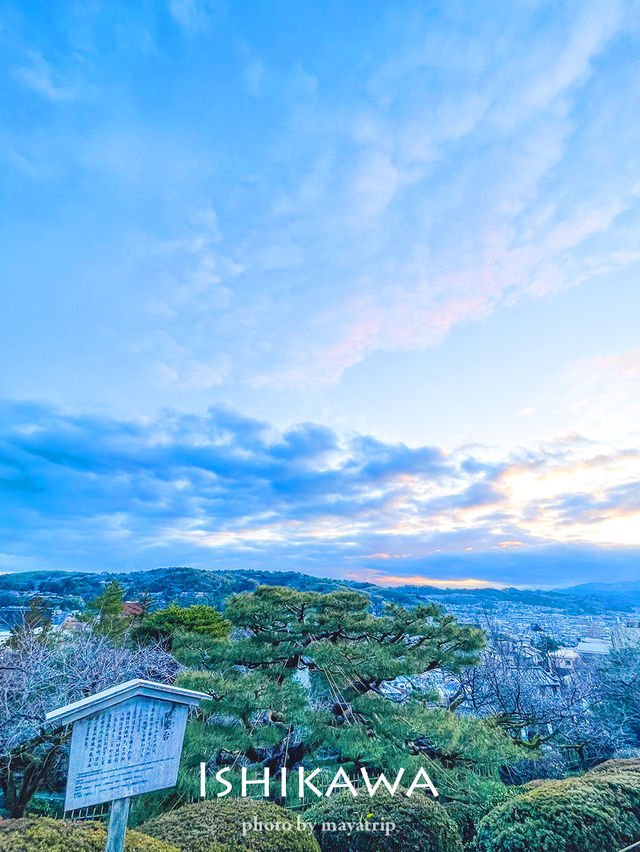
x=125 y=741
x=128 y=749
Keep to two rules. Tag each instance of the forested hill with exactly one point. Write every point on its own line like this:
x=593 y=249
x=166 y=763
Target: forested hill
x=187 y=585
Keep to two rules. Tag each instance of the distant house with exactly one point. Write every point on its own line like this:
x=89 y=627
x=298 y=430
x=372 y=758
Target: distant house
x=593 y=647
x=132 y=608
x=563 y=660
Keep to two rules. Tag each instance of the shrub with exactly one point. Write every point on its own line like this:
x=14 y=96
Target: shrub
x=42 y=806
x=421 y=824
x=626 y=764
x=598 y=811
x=53 y=835
x=206 y=826
x=467 y=814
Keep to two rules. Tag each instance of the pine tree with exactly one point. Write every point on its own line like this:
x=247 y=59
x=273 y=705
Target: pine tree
x=304 y=679
x=187 y=631
x=106 y=612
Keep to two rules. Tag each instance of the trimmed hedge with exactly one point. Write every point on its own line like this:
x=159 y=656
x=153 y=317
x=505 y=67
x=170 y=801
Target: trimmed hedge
x=467 y=815
x=205 y=826
x=421 y=825
x=43 y=834
x=624 y=764
x=596 y=812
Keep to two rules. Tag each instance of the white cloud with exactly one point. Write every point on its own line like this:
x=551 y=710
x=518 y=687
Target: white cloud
x=602 y=396
x=374 y=185
x=40 y=76
x=472 y=188
x=187 y=373
x=187 y=484
x=190 y=14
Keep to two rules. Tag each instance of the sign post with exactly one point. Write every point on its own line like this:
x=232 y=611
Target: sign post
x=117 y=825
x=125 y=741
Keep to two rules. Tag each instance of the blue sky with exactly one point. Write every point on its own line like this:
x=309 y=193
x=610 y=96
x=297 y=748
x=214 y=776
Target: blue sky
x=297 y=285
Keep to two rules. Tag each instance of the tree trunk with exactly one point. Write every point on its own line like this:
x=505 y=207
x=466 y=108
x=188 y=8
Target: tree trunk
x=22 y=775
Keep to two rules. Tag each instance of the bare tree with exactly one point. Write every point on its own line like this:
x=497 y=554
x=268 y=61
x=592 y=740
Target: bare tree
x=541 y=705
x=39 y=674
x=618 y=680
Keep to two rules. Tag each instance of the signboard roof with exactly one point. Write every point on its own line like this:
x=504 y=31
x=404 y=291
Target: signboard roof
x=123 y=692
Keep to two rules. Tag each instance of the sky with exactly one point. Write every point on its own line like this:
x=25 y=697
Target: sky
x=337 y=287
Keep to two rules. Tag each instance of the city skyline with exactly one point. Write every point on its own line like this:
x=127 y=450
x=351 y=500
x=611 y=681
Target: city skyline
x=311 y=289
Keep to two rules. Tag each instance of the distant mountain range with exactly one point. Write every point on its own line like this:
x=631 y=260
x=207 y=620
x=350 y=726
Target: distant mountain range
x=187 y=585
x=623 y=596
x=623 y=588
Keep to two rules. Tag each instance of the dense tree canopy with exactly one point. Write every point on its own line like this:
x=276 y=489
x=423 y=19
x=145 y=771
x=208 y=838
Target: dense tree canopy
x=164 y=625
x=335 y=633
